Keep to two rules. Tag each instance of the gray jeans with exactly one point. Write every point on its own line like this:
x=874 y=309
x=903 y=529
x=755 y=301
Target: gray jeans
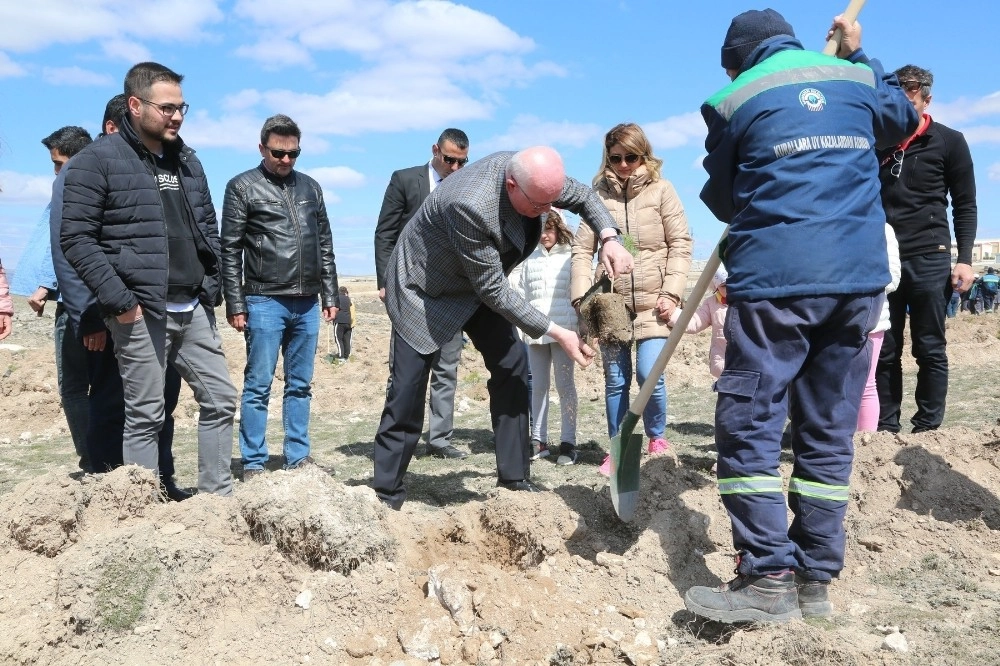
x=190 y=342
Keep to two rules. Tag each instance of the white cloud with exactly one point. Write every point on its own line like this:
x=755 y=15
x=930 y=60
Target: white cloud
x=338 y=177
x=126 y=50
x=676 y=131
x=22 y=188
x=699 y=163
x=42 y=24
x=74 y=76
x=994 y=171
x=237 y=131
x=9 y=68
x=274 y=54
x=964 y=110
x=527 y=130
x=982 y=134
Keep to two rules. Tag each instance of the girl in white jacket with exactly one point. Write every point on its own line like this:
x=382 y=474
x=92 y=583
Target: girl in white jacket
x=868 y=414
x=544 y=281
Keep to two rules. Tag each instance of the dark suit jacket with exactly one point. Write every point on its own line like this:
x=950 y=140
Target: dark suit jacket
x=406 y=191
x=456 y=252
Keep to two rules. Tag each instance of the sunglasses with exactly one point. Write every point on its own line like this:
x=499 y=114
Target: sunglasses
x=282 y=154
x=449 y=160
x=897 y=167
x=911 y=86
x=631 y=158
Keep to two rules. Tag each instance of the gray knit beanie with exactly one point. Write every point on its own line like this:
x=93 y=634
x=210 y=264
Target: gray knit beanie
x=747 y=31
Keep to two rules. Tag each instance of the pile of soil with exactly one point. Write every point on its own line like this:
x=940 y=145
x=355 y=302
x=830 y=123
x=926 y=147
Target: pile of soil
x=304 y=567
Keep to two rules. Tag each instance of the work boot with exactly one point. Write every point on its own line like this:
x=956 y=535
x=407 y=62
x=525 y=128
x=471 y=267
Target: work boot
x=770 y=598
x=814 y=600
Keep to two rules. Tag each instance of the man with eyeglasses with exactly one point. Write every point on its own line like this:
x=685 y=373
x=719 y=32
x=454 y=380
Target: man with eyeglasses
x=277 y=267
x=139 y=227
x=406 y=191
x=918 y=176
x=448 y=273
x=792 y=170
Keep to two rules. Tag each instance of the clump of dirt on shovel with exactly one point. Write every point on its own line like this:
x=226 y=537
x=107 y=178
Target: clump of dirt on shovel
x=608 y=319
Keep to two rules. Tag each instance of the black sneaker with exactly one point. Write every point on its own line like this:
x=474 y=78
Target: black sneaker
x=567 y=454
x=814 y=599
x=770 y=598
x=538 y=449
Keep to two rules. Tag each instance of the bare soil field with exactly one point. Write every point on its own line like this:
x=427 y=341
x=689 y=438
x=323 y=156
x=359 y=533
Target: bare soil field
x=307 y=567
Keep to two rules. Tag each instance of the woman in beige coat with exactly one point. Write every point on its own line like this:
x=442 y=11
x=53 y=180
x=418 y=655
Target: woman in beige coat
x=650 y=216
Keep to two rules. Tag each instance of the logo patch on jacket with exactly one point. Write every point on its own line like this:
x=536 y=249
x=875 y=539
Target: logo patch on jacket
x=812 y=99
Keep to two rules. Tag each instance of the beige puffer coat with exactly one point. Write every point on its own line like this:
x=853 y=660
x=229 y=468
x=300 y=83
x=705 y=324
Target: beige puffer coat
x=652 y=215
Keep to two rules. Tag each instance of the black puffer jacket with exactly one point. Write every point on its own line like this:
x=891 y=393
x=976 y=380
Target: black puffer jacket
x=113 y=229
x=276 y=239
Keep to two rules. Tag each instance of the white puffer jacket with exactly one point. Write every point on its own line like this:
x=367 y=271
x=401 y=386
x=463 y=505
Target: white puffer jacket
x=545 y=278
x=895 y=271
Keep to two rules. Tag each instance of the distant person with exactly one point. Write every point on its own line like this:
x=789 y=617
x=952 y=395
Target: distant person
x=406 y=192
x=344 y=323
x=544 y=281
x=139 y=227
x=645 y=206
x=105 y=398
x=711 y=314
x=6 y=304
x=278 y=270
x=449 y=272
x=36 y=279
x=919 y=176
x=794 y=131
x=988 y=287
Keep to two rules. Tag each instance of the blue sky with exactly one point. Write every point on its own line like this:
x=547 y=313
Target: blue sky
x=372 y=83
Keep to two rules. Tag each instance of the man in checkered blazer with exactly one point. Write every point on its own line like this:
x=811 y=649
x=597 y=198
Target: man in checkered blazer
x=448 y=272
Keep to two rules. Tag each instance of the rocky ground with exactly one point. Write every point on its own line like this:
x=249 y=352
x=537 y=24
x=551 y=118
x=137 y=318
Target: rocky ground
x=305 y=567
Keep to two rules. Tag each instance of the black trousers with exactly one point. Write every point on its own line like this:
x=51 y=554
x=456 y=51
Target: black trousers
x=403 y=416
x=923 y=294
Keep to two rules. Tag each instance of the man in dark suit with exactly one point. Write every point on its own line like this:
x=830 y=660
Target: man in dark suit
x=448 y=273
x=406 y=191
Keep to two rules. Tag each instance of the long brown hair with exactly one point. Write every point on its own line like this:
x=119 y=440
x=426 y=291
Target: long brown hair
x=563 y=235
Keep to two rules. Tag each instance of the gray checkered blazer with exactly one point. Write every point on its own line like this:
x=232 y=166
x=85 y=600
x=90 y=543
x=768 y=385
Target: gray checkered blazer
x=458 y=249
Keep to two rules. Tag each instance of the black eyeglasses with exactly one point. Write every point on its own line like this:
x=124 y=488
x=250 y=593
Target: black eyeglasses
x=460 y=161
x=897 y=168
x=168 y=110
x=282 y=154
x=631 y=158
x=911 y=86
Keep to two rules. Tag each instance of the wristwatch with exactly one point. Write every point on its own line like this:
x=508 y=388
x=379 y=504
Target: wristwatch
x=617 y=238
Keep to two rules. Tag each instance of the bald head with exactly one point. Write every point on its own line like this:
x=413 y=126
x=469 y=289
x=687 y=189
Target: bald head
x=538 y=175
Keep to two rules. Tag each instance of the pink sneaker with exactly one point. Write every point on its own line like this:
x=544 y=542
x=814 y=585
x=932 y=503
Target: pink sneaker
x=605 y=467
x=658 y=445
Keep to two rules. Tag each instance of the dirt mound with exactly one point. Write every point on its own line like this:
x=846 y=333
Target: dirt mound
x=315 y=520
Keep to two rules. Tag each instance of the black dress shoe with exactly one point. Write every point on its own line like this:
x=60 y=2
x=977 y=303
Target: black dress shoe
x=174 y=493
x=523 y=485
x=395 y=505
x=447 y=451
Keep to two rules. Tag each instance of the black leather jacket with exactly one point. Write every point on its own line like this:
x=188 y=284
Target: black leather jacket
x=276 y=239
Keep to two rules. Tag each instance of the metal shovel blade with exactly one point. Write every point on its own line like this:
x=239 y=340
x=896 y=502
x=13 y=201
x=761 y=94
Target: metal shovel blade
x=625 y=460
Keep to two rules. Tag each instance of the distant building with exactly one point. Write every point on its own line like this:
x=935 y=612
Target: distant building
x=984 y=251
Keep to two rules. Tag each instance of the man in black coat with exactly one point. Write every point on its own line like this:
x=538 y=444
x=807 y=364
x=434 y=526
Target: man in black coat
x=406 y=192
x=140 y=229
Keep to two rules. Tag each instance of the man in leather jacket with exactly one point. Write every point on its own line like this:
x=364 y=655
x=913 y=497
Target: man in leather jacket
x=277 y=257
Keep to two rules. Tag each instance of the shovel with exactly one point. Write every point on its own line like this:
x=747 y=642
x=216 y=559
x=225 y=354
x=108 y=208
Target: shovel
x=626 y=447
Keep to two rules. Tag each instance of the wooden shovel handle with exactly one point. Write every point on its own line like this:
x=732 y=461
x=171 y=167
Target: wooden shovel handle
x=851 y=14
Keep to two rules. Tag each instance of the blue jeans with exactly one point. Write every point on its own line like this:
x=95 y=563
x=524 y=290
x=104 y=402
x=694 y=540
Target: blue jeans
x=618 y=376
x=291 y=324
